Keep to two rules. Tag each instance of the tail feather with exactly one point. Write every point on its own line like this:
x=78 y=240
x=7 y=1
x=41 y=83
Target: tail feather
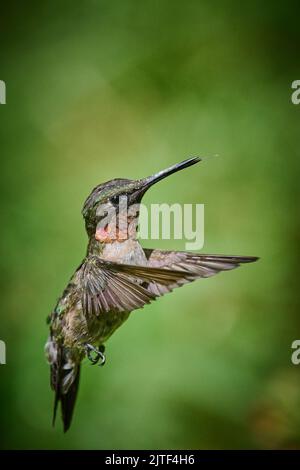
x=68 y=400
x=64 y=381
x=56 y=402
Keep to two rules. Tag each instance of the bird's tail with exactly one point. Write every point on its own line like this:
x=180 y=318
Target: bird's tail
x=67 y=399
x=64 y=380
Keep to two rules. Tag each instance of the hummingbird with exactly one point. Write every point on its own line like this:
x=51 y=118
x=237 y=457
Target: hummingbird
x=116 y=277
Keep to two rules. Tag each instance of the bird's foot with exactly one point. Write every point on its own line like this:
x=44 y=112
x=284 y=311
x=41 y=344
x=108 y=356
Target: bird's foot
x=94 y=354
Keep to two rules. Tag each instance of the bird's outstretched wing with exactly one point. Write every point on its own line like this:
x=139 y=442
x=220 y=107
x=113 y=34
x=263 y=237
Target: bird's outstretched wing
x=108 y=286
x=197 y=265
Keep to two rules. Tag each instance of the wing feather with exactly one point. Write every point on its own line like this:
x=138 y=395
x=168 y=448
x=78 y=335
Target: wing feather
x=198 y=265
x=108 y=286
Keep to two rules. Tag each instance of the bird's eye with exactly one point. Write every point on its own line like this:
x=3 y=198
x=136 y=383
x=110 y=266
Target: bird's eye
x=114 y=200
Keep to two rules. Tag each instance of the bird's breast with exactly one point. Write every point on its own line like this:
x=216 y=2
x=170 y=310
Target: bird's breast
x=125 y=252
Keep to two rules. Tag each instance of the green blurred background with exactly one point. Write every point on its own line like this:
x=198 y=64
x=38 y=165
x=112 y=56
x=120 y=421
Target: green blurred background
x=101 y=89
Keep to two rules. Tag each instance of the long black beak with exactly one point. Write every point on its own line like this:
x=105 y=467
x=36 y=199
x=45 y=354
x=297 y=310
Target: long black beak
x=146 y=183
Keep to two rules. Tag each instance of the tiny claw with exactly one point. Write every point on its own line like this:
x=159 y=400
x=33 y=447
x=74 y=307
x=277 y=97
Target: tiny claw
x=94 y=354
x=103 y=360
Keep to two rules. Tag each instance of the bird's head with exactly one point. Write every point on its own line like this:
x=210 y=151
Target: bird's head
x=111 y=210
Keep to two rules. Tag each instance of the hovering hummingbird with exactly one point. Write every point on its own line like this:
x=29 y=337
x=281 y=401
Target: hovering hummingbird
x=116 y=277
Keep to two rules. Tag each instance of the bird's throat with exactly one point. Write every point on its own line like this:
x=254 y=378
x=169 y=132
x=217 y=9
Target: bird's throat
x=119 y=229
